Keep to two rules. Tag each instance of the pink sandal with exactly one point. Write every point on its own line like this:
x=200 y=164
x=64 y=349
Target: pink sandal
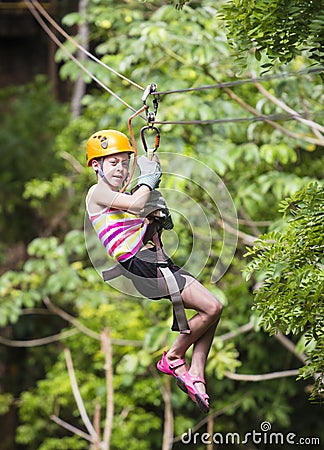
x=169 y=368
x=187 y=384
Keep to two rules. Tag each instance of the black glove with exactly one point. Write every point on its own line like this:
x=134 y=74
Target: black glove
x=156 y=206
x=167 y=223
x=155 y=202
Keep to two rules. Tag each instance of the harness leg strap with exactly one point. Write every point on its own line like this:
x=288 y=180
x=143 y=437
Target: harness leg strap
x=113 y=272
x=176 y=299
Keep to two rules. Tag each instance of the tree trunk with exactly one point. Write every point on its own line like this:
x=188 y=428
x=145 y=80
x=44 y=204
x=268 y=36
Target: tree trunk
x=168 y=417
x=80 y=86
x=107 y=349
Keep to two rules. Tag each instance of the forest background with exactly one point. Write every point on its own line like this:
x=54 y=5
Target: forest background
x=78 y=356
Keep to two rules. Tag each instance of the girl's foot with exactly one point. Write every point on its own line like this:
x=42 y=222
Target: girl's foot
x=194 y=386
x=170 y=367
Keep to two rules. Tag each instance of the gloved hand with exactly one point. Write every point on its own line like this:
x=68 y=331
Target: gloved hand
x=167 y=222
x=150 y=171
x=155 y=202
x=156 y=206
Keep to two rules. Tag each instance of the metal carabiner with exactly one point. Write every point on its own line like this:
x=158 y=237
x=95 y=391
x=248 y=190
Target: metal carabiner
x=150 y=151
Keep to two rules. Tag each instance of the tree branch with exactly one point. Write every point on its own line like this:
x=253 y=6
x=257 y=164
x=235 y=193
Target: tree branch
x=40 y=311
x=127 y=342
x=240 y=330
x=74 y=162
x=310 y=123
x=253 y=227
x=290 y=346
x=71 y=428
x=246 y=238
x=275 y=125
x=262 y=377
x=255 y=112
x=39 y=342
x=210 y=430
x=168 y=428
x=78 y=398
x=246 y=221
x=97 y=418
x=66 y=316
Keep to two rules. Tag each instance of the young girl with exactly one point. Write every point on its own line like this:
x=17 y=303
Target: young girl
x=118 y=219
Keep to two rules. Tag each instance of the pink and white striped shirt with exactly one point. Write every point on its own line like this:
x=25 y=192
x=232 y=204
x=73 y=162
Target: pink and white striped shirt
x=120 y=232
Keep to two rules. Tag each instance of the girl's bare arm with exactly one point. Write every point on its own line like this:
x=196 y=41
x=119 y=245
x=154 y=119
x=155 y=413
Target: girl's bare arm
x=102 y=196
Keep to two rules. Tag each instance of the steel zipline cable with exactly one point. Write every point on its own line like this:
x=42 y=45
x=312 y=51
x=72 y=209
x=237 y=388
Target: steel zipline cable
x=34 y=6
x=72 y=57
x=260 y=118
x=304 y=72
x=55 y=25
x=313 y=71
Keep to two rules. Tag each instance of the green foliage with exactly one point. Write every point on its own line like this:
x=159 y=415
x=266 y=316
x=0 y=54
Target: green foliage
x=5 y=403
x=179 y=4
x=57 y=270
x=282 y=29
x=290 y=265
x=38 y=190
x=30 y=119
x=36 y=409
x=150 y=41
x=50 y=270
x=143 y=42
x=223 y=358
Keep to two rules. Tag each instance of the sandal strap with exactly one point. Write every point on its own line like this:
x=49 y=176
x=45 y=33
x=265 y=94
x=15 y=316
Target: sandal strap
x=201 y=399
x=198 y=379
x=177 y=363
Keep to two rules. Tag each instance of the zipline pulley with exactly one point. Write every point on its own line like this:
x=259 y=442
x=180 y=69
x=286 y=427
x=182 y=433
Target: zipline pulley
x=151 y=89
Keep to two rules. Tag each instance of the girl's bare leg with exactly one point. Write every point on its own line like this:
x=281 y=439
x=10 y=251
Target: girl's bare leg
x=202 y=326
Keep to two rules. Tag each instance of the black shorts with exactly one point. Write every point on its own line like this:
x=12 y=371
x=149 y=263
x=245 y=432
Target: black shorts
x=143 y=270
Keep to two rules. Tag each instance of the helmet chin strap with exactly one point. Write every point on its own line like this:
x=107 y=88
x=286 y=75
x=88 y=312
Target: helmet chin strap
x=100 y=171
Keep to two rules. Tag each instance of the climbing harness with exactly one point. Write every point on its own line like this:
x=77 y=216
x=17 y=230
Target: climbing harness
x=165 y=275
x=180 y=322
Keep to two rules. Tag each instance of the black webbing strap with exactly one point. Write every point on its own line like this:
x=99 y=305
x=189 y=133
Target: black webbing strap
x=176 y=299
x=112 y=273
x=173 y=288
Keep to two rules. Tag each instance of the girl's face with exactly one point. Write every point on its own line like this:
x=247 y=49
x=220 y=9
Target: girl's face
x=115 y=169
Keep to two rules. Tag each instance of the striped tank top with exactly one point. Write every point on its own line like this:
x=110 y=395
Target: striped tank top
x=120 y=232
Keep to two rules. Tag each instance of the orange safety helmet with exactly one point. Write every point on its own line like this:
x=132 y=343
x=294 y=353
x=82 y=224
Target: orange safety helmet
x=107 y=142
